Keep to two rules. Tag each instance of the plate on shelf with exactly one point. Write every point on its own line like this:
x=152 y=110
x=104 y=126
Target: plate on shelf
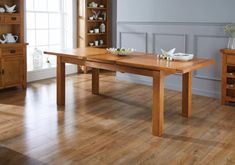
x=183 y=57
x=120 y=51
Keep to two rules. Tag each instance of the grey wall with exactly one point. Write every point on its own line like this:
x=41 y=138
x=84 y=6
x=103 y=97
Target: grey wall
x=176 y=10
x=190 y=26
x=114 y=22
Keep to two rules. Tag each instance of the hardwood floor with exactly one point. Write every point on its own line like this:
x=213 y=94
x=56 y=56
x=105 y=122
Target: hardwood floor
x=111 y=128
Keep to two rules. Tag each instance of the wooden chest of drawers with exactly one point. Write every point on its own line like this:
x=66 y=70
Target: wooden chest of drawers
x=228 y=76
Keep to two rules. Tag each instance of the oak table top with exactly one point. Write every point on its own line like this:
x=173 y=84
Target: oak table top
x=151 y=62
x=136 y=59
x=79 y=53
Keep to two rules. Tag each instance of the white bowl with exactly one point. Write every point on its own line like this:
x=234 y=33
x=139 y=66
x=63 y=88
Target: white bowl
x=183 y=56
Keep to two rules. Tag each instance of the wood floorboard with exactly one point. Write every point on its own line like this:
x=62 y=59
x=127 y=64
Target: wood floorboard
x=113 y=127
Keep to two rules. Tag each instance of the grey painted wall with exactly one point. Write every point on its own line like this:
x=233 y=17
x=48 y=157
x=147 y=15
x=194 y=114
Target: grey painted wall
x=189 y=26
x=176 y=10
x=114 y=22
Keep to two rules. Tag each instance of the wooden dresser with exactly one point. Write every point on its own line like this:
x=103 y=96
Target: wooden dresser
x=13 y=55
x=228 y=76
x=86 y=26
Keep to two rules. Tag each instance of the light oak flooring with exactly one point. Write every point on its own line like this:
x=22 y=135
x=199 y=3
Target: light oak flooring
x=111 y=128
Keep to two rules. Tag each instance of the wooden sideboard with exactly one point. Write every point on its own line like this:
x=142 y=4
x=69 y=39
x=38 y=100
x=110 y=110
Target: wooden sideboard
x=13 y=55
x=228 y=76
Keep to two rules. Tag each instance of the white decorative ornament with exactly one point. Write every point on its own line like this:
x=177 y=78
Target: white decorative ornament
x=2 y=10
x=10 y=9
x=102 y=28
x=170 y=55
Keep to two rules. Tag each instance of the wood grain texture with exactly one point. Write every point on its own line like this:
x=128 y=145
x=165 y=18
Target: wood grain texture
x=227 y=76
x=136 y=59
x=223 y=78
x=60 y=80
x=12 y=71
x=95 y=81
x=15 y=69
x=149 y=64
x=158 y=103
x=80 y=53
x=112 y=128
x=187 y=95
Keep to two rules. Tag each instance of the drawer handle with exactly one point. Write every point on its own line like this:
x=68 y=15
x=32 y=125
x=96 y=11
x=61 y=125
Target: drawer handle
x=12 y=51
x=2 y=71
x=13 y=18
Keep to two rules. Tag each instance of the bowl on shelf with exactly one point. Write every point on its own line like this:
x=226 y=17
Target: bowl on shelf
x=91 y=31
x=120 y=51
x=97 y=30
x=91 y=43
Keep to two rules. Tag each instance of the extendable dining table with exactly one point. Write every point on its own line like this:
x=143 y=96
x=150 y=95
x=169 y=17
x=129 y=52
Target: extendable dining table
x=135 y=63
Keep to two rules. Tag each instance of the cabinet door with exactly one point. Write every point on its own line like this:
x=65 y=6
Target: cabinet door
x=12 y=71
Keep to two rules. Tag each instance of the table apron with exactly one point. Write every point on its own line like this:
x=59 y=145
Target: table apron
x=120 y=68
x=73 y=60
x=98 y=65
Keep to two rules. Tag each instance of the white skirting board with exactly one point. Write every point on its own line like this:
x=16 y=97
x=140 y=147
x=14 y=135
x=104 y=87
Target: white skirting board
x=48 y=73
x=200 y=86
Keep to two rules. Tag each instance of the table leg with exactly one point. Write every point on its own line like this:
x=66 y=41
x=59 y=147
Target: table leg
x=60 y=82
x=95 y=81
x=158 y=103
x=187 y=95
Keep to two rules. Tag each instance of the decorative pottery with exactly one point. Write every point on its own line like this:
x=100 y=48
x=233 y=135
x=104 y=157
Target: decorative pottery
x=37 y=59
x=102 y=28
x=10 y=38
x=2 y=10
x=10 y=9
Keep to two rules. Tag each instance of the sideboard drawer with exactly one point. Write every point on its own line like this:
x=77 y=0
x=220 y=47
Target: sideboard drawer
x=231 y=59
x=12 y=51
x=12 y=19
x=2 y=19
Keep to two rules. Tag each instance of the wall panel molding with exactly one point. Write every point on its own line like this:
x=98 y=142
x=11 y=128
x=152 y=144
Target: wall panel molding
x=145 y=34
x=175 y=23
x=172 y=35
x=202 y=39
x=196 y=53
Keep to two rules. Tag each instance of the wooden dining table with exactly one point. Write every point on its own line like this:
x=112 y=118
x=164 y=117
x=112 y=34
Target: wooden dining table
x=135 y=63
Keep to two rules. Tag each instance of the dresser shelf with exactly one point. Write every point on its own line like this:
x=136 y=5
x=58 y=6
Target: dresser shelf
x=97 y=8
x=85 y=24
